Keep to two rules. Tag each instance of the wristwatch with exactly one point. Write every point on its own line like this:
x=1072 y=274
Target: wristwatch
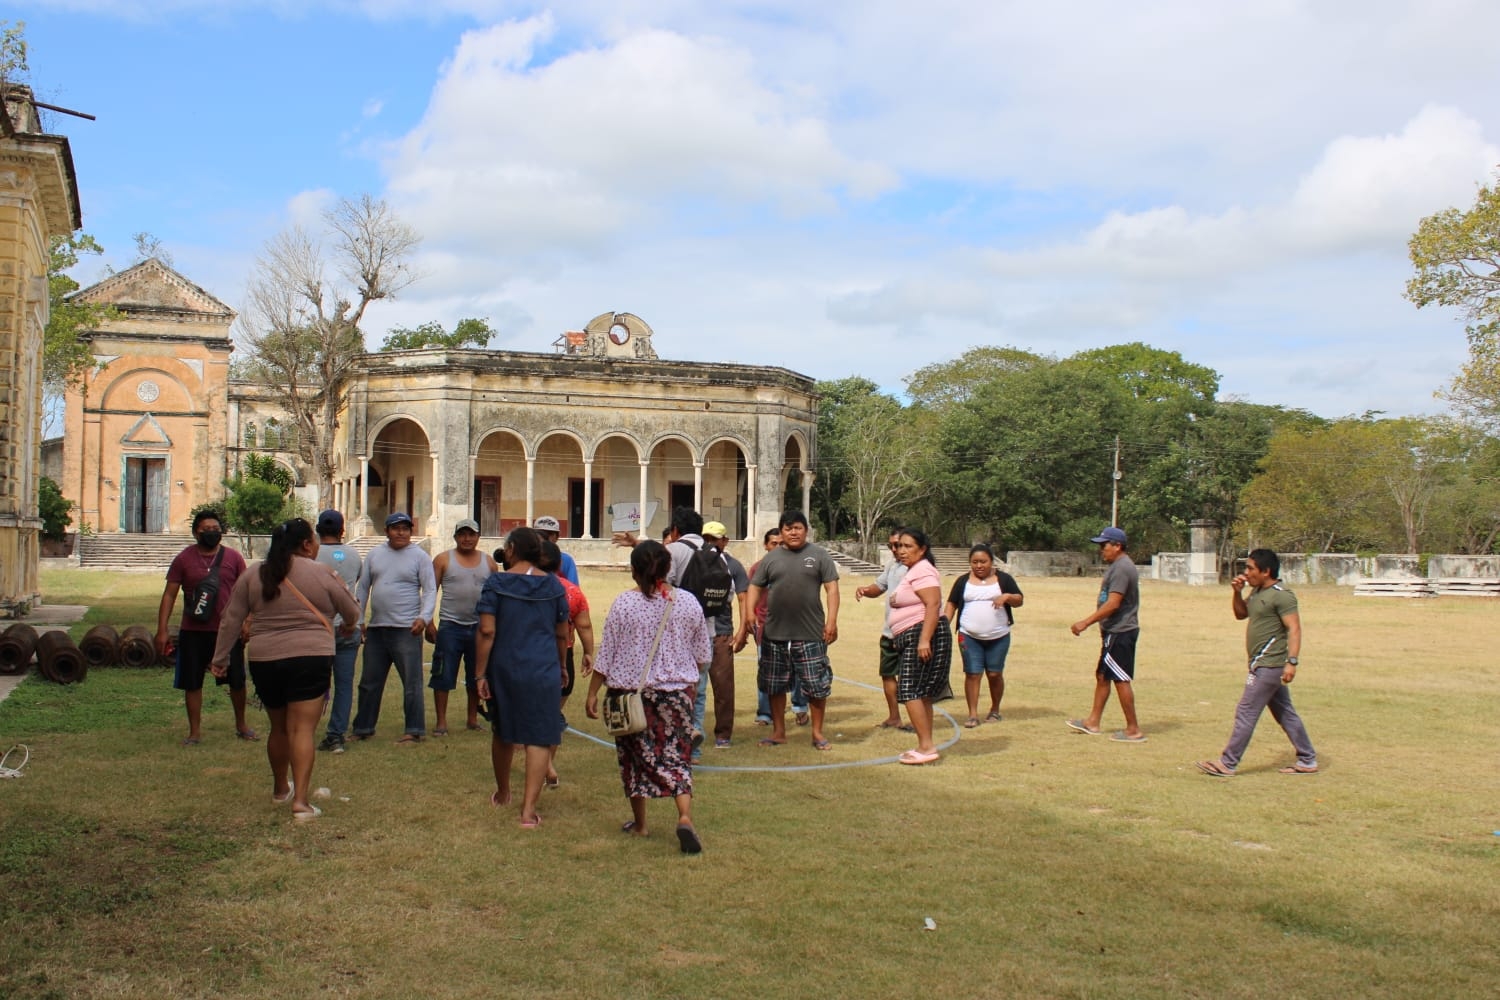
x=1292 y=660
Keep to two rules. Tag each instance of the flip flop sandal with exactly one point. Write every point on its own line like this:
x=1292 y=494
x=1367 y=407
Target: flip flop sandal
x=248 y=735
x=687 y=837
x=992 y=717
x=771 y=743
x=1297 y=769
x=629 y=827
x=917 y=757
x=533 y=823
x=973 y=722
x=822 y=745
x=1214 y=768
x=304 y=817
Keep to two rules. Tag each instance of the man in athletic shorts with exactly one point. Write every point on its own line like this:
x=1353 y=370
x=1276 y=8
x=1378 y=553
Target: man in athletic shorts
x=1119 y=626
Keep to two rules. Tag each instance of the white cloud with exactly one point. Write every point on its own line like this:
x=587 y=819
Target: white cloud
x=572 y=153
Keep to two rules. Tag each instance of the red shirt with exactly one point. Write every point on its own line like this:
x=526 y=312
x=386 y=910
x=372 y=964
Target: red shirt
x=188 y=569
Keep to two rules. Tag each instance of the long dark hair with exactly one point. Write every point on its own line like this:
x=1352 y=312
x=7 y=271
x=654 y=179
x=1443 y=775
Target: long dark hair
x=525 y=545
x=288 y=537
x=649 y=564
x=920 y=537
x=551 y=560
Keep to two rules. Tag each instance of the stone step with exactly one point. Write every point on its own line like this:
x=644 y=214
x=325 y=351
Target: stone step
x=852 y=564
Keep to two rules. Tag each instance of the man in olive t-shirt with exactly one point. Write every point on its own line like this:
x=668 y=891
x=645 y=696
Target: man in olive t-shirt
x=1273 y=640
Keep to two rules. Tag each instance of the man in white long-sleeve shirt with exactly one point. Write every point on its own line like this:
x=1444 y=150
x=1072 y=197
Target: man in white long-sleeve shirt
x=397 y=594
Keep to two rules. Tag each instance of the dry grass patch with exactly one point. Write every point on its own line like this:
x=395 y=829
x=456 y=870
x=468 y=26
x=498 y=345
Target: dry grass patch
x=1054 y=864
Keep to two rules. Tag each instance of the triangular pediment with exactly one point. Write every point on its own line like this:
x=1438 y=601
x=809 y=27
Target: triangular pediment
x=152 y=286
x=146 y=433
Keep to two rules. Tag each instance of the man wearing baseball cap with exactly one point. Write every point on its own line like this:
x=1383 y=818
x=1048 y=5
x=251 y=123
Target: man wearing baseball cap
x=460 y=574
x=549 y=529
x=397 y=588
x=720 y=671
x=1119 y=626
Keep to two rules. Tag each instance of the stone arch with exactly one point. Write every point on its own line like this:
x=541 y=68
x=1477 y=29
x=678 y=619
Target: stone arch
x=401 y=454
x=386 y=421
x=616 y=460
x=591 y=454
x=499 y=489
x=557 y=468
x=727 y=484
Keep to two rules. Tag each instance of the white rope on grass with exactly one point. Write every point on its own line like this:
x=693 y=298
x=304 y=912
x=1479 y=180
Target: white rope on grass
x=15 y=772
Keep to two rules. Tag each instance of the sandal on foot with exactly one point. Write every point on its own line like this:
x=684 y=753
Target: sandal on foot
x=1298 y=769
x=1215 y=768
x=629 y=827
x=917 y=757
x=248 y=735
x=972 y=723
x=409 y=739
x=474 y=727
x=291 y=791
x=907 y=727
x=1082 y=727
x=822 y=745
x=803 y=718
x=191 y=741
x=771 y=743
x=992 y=717
x=497 y=801
x=440 y=732
x=551 y=781
x=304 y=817
x=687 y=837
x=1121 y=736
x=532 y=823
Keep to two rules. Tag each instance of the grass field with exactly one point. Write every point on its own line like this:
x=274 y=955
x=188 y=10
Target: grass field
x=1053 y=864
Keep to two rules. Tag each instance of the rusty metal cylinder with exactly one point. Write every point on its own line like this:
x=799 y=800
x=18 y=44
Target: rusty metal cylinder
x=137 y=648
x=58 y=660
x=100 y=646
x=17 y=644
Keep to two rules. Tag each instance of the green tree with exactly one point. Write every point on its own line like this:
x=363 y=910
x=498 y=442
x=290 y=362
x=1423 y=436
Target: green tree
x=945 y=382
x=302 y=329
x=1027 y=456
x=1360 y=484
x=258 y=497
x=466 y=333
x=835 y=443
x=66 y=356
x=884 y=466
x=13 y=66
x=54 y=510
x=1456 y=254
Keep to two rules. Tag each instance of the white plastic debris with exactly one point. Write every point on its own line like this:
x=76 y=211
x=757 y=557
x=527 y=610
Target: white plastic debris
x=323 y=793
x=930 y=924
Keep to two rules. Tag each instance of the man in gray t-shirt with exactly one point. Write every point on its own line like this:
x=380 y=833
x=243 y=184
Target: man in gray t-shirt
x=797 y=636
x=1118 y=616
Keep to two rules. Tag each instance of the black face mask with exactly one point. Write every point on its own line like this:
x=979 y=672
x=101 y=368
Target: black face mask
x=210 y=539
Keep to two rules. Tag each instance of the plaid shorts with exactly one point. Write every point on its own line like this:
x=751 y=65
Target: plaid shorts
x=780 y=657
x=920 y=680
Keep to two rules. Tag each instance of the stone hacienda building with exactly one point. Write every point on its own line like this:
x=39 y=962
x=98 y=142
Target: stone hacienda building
x=38 y=202
x=591 y=434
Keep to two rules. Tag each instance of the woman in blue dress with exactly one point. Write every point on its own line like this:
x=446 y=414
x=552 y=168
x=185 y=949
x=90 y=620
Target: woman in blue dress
x=522 y=643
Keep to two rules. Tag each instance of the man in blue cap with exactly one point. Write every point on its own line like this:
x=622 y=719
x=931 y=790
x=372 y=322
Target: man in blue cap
x=1119 y=626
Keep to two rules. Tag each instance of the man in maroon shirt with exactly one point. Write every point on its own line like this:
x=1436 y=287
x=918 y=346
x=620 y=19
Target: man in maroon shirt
x=196 y=638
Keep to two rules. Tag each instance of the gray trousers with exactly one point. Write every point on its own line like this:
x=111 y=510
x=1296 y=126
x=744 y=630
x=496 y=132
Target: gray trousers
x=1263 y=689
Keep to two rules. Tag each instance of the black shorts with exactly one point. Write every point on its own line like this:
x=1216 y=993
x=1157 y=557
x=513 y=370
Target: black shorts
x=195 y=650
x=1117 y=656
x=296 y=678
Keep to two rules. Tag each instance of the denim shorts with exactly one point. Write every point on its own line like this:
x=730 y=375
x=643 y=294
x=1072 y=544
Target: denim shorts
x=984 y=656
x=455 y=642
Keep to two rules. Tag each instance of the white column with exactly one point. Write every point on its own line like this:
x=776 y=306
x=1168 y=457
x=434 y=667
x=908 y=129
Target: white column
x=364 y=486
x=530 y=490
x=807 y=481
x=588 y=500
x=698 y=487
x=750 y=502
x=645 y=465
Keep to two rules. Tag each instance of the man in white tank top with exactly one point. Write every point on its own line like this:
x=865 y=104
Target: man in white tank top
x=460 y=573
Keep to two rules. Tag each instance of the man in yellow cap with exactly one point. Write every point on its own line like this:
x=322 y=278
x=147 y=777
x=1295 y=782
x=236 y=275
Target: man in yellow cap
x=720 y=672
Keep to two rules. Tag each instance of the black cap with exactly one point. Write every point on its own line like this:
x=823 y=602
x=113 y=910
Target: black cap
x=330 y=522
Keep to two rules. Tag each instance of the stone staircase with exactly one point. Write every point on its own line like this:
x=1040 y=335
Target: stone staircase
x=850 y=565
x=130 y=552
x=951 y=560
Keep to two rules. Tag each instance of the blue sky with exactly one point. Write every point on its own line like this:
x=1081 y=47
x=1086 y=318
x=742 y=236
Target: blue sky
x=842 y=188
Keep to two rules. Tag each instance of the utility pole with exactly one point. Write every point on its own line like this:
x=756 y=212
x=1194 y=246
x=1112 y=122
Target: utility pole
x=1114 y=489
